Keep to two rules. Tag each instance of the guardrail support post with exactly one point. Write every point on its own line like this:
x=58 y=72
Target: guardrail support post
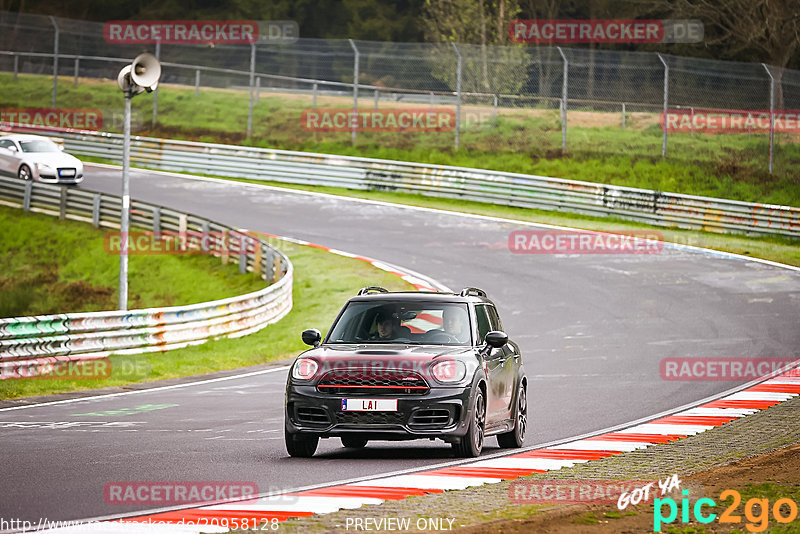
x=377 y=96
x=666 y=101
x=155 y=92
x=26 y=200
x=55 y=60
x=355 y=88
x=62 y=204
x=157 y=222
x=196 y=82
x=771 y=114
x=314 y=92
x=564 y=102
x=242 y=261
x=458 y=94
x=257 y=253
x=96 y=198
x=203 y=240
x=77 y=67
x=252 y=80
x=258 y=88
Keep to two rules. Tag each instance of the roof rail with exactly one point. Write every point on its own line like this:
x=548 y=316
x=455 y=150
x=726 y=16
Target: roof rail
x=372 y=289
x=468 y=291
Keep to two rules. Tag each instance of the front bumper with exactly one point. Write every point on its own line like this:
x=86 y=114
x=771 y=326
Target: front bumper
x=53 y=179
x=440 y=413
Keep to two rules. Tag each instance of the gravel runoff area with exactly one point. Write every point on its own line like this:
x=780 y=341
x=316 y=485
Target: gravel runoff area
x=696 y=460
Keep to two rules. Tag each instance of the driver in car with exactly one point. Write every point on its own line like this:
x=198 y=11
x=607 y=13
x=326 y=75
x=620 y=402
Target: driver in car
x=455 y=324
x=386 y=328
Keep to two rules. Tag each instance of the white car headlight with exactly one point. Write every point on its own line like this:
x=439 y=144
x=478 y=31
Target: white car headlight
x=449 y=371
x=43 y=167
x=304 y=369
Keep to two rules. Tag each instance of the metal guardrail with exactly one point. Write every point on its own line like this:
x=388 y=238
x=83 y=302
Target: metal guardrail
x=81 y=336
x=504 y=188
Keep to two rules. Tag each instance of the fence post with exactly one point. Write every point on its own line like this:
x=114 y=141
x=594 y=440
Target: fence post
x=77 y=66
x=196 y=82
x=666 y=102
x=377 y=96
x=252 y=80
x=623 y=115
x=62 y=204
x=155 y=92
x=564 y=102
x=55 y=60
x=356 y=59
x=258 y=88
x=314 y=92
x=771 y=114
x=458 y=94
x=16 y=66
x=494 y=117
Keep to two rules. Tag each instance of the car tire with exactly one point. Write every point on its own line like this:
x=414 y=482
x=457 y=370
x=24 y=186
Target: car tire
x=300 y=446
x=516 y=438
x=354 y=442
x=24 y=173
x=471 y=444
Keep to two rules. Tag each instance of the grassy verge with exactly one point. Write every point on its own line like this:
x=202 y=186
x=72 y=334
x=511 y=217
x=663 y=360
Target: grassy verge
x=322 y=282
x=51 y=266
x=519 y=140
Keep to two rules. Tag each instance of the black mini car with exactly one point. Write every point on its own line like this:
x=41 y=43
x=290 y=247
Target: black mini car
x=408 y=365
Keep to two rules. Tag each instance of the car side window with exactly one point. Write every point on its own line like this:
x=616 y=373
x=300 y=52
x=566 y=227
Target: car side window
x=5 y=143
x=494 y=319
x=484 y=326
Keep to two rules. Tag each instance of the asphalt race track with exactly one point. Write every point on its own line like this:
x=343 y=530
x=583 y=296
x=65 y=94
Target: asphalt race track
x=592 y=328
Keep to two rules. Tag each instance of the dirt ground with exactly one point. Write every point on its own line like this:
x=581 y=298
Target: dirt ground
x=780 y=467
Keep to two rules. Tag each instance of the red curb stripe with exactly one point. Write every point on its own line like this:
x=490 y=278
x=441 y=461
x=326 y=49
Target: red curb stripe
x=484 y=472
x=747 y=404
x=566 y=454
x=693 y=420
x=647 y=438
x=776 y=388
x=375 y=492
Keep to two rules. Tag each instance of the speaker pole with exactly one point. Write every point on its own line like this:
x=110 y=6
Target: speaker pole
x=124 y=224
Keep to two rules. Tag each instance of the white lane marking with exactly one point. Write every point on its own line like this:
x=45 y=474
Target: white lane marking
x=760 y=396
x=718 y=412
x=150 y=390
x=291 y=503
x=678 y=246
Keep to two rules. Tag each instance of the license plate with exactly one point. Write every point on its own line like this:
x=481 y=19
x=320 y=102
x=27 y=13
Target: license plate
x=369 y=405
x=66 y=172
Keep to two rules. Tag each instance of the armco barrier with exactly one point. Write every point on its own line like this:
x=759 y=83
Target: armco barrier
x=79 y=336
x=511 y=189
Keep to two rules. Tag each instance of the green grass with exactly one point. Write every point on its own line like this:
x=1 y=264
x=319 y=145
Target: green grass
x=522 y=140
x=50 y=266
x=322 y=283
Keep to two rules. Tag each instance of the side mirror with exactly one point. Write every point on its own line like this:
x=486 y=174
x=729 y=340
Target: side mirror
x=311 y=337
x=496 y=339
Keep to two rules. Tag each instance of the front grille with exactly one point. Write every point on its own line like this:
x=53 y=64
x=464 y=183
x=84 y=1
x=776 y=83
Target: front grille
x=312 y=416
x=439 y=417
x=372 y=382
x=370 y=418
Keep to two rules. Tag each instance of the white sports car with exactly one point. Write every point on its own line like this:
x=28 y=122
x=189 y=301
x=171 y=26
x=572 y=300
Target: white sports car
x=33 y=157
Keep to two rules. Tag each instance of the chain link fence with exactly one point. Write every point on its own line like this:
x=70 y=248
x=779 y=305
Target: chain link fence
x=539 y=101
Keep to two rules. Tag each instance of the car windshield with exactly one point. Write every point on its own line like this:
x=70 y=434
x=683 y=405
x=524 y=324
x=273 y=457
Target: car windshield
x=38 y=145
x=429 y=323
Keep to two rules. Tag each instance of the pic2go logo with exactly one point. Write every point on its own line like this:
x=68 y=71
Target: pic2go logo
x=756 y=511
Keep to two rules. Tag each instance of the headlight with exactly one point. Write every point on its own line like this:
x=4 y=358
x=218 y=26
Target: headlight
x=449 y=371
x=304 y=369
x=43 y=167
